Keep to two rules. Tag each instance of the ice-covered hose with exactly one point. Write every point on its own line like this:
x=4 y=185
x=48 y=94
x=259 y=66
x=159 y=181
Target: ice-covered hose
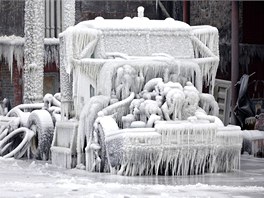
x=114 y=107
x=23 y=111
x=50 y=100
x=20 y=150
x=24 y=107
x=119 y=107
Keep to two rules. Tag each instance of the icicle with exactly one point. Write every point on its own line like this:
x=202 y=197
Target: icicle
x=12 y=47
x=229 y=143
x=51 y=51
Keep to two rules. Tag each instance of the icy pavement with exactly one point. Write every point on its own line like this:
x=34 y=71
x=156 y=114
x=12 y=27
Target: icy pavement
x=27 y=178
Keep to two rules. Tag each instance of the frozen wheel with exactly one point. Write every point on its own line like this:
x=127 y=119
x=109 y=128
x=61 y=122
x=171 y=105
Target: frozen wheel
x=40 y=121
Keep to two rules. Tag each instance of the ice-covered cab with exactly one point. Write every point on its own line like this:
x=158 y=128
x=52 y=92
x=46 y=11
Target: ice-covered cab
x=90 y=45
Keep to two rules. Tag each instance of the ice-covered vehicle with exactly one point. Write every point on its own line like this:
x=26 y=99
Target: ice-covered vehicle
x=132 y=102
x=135 y=105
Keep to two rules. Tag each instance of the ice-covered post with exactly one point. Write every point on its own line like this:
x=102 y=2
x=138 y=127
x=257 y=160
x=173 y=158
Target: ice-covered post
x=68 y=19
x=34 y=51
x=140 y=12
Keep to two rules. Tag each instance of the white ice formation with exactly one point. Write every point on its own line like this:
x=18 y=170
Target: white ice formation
x=137 y=87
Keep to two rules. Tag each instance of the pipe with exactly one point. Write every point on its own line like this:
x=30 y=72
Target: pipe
x=235 y=57
x=52 y=19
x=47 y=21
x=163 y=9
x=186 y=11
x=58 y=17
x=62 y=16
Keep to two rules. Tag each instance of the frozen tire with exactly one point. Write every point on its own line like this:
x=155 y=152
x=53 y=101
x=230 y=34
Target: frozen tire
x=40 y=121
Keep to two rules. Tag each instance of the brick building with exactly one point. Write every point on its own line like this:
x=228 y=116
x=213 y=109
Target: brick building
x=244 y=17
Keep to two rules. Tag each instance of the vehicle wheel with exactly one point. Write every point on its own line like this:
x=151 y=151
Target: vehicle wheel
x=40 y=121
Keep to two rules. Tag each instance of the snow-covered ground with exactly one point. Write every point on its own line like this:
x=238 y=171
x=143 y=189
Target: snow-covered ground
x=27 y=178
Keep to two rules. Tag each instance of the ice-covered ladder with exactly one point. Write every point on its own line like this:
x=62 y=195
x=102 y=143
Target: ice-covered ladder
x=222 y=94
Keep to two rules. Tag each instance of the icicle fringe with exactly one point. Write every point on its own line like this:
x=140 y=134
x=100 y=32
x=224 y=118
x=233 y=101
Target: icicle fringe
x=174 y=148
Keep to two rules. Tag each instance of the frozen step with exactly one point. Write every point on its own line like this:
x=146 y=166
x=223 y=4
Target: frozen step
x=63 y=149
